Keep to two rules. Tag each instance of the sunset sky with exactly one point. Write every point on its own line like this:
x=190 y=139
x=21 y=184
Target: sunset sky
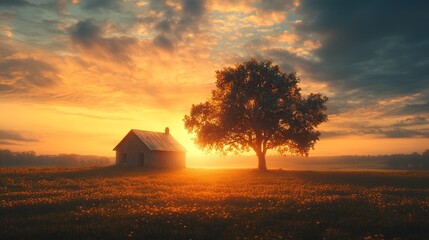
x=76 y=76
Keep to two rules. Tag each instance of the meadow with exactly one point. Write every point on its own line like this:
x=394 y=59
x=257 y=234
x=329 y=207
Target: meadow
x=118 y=203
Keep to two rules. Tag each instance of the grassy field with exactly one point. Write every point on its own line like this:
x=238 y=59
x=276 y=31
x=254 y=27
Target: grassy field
x=112 y=203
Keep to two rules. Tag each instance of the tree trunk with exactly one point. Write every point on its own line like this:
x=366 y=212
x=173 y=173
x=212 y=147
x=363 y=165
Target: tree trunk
x=262 y=164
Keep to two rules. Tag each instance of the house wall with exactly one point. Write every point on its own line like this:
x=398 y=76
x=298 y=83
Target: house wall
x=133 y=147
x=164 y=159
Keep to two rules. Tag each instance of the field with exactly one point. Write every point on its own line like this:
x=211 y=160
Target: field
x=115 y=203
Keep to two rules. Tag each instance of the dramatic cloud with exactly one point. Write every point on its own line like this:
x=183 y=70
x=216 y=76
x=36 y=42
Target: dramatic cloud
x=14 y=3
x=90 y=37
x=274 y=5
x=85 y=33
x=392 y=133
x=22 y=75
x=405 y=128
x=406 y=133
x=173 y=21
x=410 y=109
x=378 y=48
x=100 y=4
x=164 y=42
x=414 y=121
x=6 y=50
x=9 y=137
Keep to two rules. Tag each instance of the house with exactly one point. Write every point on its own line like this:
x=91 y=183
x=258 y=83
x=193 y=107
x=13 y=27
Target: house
x=150 y=149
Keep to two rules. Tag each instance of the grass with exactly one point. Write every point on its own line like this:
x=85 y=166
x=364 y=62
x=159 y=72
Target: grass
x=117 y=203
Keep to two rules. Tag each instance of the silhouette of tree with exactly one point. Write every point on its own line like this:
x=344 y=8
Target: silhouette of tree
x=256 y=106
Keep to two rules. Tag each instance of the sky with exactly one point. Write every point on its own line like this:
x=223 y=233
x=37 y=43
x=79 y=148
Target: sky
x=77 y=75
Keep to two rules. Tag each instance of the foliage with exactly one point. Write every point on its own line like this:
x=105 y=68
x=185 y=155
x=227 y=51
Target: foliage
x=30 y=159
x=256 y=106
x=117 y=203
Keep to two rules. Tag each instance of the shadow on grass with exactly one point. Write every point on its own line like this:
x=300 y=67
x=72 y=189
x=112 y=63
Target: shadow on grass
x=405 y=179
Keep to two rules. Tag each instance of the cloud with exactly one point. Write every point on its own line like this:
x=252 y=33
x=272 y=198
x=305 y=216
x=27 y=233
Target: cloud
x=193 y=8
x=375 y=47
x=164 y=42
x=14 y=3
x=91 y=39
x=392 y=133
x=413 y=127
x=413 y=121
x=7 y=136
x=2 y=142
x=275 y=5
x=409 y=109
x=192 y=11
x=85 y=33
x=6 y=50
x=287 y=61
x=172 y=22
x=100 y=4
x=93 y=116
x=21 y=75
x=7 y=15
x=406 y=133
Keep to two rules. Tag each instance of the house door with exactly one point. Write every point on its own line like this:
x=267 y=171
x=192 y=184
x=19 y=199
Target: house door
x=141 y=159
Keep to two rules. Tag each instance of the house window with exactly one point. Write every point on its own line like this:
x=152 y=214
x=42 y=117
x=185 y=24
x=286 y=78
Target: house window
x=124 y=157
x=141 y=159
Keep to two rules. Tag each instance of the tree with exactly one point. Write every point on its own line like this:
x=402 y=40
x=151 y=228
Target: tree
x=256 y=106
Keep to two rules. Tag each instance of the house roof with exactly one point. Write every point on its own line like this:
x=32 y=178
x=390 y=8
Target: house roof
x=157 y=141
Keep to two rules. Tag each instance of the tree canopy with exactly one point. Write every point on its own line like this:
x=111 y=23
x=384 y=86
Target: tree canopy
x=256 y=106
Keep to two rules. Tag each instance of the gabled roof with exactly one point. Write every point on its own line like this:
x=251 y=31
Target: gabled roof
x=156 y=141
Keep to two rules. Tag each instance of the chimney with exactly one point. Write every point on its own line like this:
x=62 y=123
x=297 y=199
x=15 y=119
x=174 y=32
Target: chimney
x=167 y=130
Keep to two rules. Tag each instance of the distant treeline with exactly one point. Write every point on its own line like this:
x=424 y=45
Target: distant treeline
x=402 y=161
x=30 y=159
x=413 y=161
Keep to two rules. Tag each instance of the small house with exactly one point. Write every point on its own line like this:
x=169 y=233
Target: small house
x=150 y=149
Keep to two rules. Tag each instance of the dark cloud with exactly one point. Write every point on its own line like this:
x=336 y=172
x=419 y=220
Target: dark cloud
x=7 y=136
x=85 y=33
x=406 y=133
x=175 y=23
x=388 y=133
x=6 y=50
x=163 y=26
x=192 y=11
x=7 y=15
x=413 y=121
x=163 y=42
x=90 y=36
x=2 y=142
x=409 y=109
x=100 y=4
x=287 y=61
x=22 y=75
x=378 y=47
x=6 y=88
x=193 y=8
x=274 y=5
x=405 y=128
x=14 y=3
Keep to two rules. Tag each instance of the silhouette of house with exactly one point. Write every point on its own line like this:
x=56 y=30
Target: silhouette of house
x=150 y=149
